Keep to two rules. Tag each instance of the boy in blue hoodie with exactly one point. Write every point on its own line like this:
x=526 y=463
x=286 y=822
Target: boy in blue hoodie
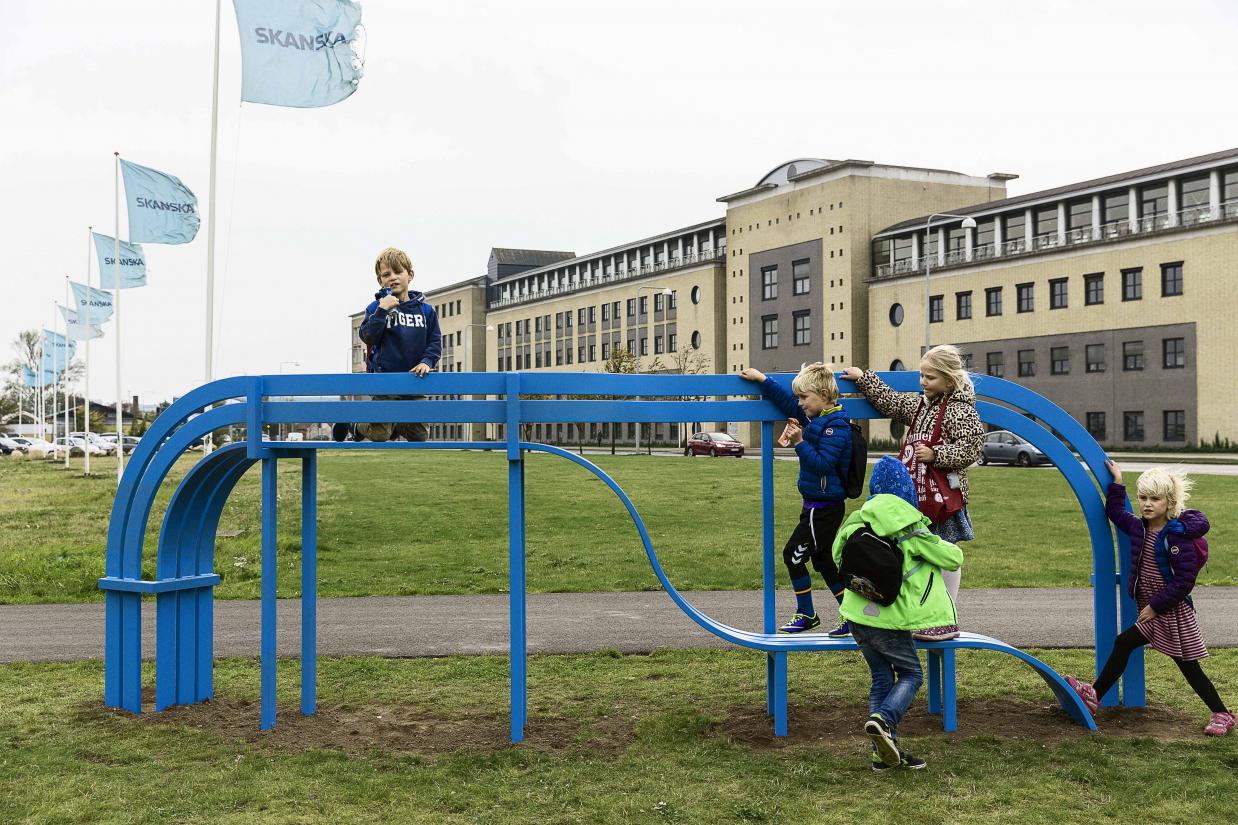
x=402 y=335
x=821 y=435
x=883 y=632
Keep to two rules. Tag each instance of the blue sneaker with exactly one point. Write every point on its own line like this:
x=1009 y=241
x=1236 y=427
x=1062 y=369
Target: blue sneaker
x=842 y=631
x=800 y=622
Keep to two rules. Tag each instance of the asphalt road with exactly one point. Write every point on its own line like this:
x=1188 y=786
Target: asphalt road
x=557 y=623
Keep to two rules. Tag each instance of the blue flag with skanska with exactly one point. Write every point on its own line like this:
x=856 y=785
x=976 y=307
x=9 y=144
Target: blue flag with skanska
x=298 y=53
x=161 y=208
x=93 y=306
x=132 y=262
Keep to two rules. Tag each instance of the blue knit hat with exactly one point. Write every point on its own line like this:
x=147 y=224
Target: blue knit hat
x=891 y=476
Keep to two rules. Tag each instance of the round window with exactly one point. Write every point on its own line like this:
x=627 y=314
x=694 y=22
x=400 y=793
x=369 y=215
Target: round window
x=896 y=365
x=896 y=430
x=696 y=340
x=696 y=294
x=896 y=315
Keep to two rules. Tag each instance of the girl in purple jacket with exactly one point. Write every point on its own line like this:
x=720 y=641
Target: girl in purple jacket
x=1167 y=549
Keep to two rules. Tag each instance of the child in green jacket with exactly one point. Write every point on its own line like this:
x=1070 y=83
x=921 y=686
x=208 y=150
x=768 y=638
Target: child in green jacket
x=884 y=632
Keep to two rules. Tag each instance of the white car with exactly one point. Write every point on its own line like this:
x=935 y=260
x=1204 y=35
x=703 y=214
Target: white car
x=36 y=446
x=108 y=447
x=75 y=446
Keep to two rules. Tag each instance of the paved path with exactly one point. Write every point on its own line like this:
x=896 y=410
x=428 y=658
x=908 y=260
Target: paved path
x=557 y=623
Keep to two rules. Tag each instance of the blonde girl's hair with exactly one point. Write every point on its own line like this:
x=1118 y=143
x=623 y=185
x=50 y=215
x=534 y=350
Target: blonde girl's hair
x=947 y=360
x=818 y=378
x=1172 y=485
x=397 y=259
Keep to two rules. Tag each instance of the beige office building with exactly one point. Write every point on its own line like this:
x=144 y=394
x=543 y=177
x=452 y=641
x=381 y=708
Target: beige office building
x=1106 y=295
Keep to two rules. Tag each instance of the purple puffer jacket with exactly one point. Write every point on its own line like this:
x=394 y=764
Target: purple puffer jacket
x=1175 y=549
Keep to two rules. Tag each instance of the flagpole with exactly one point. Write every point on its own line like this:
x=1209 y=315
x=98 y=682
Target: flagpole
x=42 y=382
x=66 y=399
x=120 y=411
x=90 y=231
x=210 y=224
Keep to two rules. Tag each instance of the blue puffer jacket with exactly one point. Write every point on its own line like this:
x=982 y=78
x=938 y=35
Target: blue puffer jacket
x=825 y=452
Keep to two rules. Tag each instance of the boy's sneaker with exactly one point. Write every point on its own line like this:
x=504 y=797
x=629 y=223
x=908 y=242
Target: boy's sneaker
x=1220 y=724
x=911 y=763
x=800 y=622
x=1088 y=694
x=937 y=634
x=842 y=631
x=340 y=432
x=878 y=730
x=879 y=766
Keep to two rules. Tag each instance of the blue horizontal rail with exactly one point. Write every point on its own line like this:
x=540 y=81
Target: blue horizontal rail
x=160 y=585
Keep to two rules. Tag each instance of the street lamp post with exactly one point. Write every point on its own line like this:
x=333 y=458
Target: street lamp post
x=968 y=223
x=666 y=290
x=281 y=372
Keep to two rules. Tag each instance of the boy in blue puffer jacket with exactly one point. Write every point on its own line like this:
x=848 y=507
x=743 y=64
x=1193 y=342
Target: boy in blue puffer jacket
x=821 y=435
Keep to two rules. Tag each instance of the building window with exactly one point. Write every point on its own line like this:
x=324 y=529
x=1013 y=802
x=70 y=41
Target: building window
x=1132 y=284
x=935 y=309
x=993 y=301
x=605 y=350
x=1027 y=363
x=769 y=332
x=593 y=314
x=1094 y=358
x=1026 y=297
x=581 y=354
x=1045 y=221
x=659 y=302
x=696 y=297
x=696 y=339
x=659 y=345
x=672 y=342
x=1015 y=231
x=1171 y=279
x=995 y=364
x=1175 y=425
x=1132 y=426
x=631 y=307
x=593 y=351
x=538 y=356
x=769 y=283
x=1115 y=208
x=1096 y=425
x=1057 y=293
x=896 y=315
x=642 y=305
x=897 y=366
x=967 y=361
x=580 y=316
x=644 y=345
x=1173 y=351
x=1153 y=200
x=672 y=300
x=1094 y=289
x=803 y=328
x=605 y=312
x=1132 y=356
x=1059 y=361
x=962 y=305
x=799 y=277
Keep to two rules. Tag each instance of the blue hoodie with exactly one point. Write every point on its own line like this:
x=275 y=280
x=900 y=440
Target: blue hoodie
x=402 y=337
x=825 y=452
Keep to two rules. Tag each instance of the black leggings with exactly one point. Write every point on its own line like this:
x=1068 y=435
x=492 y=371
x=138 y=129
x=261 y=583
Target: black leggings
x=1126 y=644
x=813 y=541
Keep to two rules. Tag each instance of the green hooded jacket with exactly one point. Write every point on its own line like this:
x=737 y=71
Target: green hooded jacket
x=922 y=600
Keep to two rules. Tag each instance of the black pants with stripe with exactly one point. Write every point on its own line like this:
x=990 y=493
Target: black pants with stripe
x=813 y=540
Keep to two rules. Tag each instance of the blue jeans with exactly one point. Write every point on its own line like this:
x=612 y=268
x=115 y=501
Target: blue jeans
x=890 y=653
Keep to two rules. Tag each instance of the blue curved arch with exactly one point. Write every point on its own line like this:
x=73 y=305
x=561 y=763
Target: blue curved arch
x=776 y=643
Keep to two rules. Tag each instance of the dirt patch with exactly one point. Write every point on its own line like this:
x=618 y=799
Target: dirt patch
x=408 y=730
x=393 y=729
x=836 y=728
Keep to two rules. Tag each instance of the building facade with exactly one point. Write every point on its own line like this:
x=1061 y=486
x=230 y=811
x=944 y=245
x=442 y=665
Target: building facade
x=1107 y=296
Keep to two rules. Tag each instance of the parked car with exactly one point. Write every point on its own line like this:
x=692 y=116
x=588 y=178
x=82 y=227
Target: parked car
x=108 y=447
x=131 y=442
x=713 y=445
x=75 y=446
x=1002 y=445
x=11 y=445
x=35 y=446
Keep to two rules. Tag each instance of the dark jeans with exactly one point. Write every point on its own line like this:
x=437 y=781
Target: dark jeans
x=890 y=654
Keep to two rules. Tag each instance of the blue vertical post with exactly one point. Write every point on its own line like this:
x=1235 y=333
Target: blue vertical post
x=309 y=582
x=516 y=546
x=767 y=559
x=269 y=567
x=934 y=681
x=949 y=691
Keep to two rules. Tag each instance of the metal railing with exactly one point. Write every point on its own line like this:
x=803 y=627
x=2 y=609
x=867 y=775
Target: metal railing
x=1188 y=218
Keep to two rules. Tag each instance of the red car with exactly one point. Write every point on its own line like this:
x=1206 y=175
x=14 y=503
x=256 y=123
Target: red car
x=714 y=445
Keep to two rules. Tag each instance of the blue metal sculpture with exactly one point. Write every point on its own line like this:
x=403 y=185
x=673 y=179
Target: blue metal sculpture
x=185 y=577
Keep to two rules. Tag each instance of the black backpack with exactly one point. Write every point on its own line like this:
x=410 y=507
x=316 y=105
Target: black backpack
x=872 y=565
x=859 y=462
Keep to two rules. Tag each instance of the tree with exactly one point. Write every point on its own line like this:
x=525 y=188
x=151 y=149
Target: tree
x=690 y=361
x=15 y=394
x=621 y=362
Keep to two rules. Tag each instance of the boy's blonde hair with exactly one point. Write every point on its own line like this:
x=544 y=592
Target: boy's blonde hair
x=948 y=361
x=1172 y=485
x=397 y=259
x=816 y=378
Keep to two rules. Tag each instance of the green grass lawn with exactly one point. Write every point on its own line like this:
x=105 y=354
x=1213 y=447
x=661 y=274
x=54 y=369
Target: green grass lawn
x=679 y=736
x=436 y=523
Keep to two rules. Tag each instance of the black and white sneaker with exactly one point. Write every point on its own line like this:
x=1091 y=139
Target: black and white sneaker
x=878 y=730
x=911 y=763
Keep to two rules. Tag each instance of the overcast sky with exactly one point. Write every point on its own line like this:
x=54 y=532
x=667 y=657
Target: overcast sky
x=545 y=125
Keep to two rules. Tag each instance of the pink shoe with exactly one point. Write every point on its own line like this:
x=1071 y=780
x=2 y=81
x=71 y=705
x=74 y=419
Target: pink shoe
x=1220 y=724
x=1088 y=694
